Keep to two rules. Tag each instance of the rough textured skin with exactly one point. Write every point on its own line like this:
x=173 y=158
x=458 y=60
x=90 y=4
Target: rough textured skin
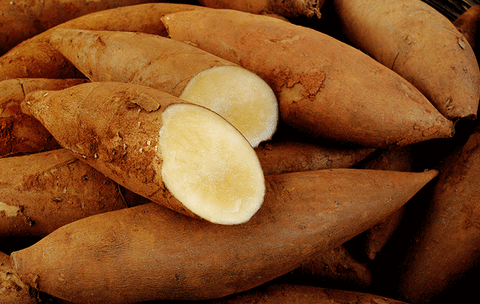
x=23 y=19
x=292 y=8
x=20 y=133
x=36 y=58
x=298 y=294
x=324 y=87
x=44 y=191
x=422 y=45
x=291 y=156
x=150 y=252
x=12 y=289
x=114 y=127
x=467 y=24
x=448 y=244
x=144 y=59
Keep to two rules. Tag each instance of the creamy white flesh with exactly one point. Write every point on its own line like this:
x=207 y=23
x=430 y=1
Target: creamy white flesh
x=238 y=95
x=209 y=166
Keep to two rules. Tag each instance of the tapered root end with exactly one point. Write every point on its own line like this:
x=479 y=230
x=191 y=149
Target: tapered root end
x=209 y=166
x=440 y=128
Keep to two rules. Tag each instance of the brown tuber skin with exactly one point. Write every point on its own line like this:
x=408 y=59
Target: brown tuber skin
x=12 y=289
x=298 y=294
x=312 y=75
x=23 y=19
x=396 y=159
x=36 y=58
x=145 y=59
x=44 y=191
x=336 y=265
x=119 y=149
x=335 y=268
x=422 y=45
x=295 y=8
x=292 y=156
x=177 y=68
x=156 y=145
x=467 y=24
x=447 y=244
x=20 y=133
x=149 y=252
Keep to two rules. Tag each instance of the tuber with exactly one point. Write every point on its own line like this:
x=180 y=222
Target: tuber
x=149 y=252
x=303 y=294
x=324 y=87
x=422 y=45
x=43 y=191
x=295 y=8
x=467 y=24
x=446 y=246
x=335 y=268
x=23 y=19
x=12 y=289
x=36 y=58
x=174 y=67
x=20 y=133
x=173 y=152
x=396 y=159
x=294 y=156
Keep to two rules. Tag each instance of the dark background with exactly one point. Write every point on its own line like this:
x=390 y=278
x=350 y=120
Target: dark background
x=451 y=8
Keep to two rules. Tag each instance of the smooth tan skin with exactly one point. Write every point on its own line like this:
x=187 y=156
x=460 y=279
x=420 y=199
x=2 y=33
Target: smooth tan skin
x=325 y=88
x=396 y=159
x=144 y=59
x=149 y=252
x=295 y=156
x=422 y=45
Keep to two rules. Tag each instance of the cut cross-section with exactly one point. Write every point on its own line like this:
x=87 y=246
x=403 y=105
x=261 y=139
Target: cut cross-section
x=239 y=96
x=209 y=166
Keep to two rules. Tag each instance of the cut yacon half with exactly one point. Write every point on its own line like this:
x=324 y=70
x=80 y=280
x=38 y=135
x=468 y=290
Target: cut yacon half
x=239 y=96
x=209 y=166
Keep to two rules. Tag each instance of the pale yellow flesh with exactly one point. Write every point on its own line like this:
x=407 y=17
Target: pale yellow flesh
x=238 y=95
x=209 y=166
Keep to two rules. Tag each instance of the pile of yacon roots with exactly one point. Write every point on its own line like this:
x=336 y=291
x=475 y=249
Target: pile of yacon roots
x=237 y=151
